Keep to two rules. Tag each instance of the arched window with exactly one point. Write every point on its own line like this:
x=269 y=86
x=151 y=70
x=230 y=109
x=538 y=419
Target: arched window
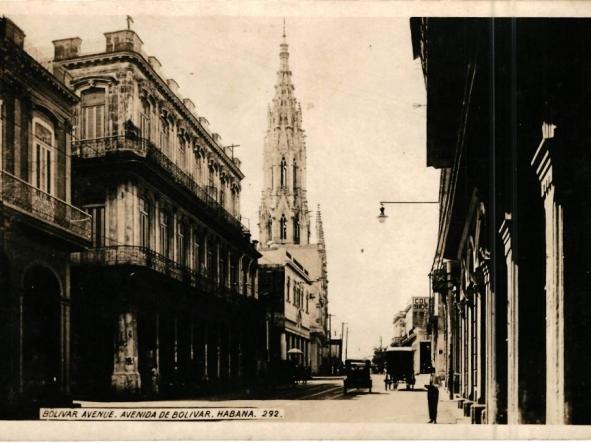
x=296 y=229
x=283 y=168
x=295 y=174
x=269 y=229
x=92 y=123
x=283 y=227
x=44 y=156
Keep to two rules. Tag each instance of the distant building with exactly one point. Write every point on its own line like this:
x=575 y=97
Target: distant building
x=288 y=294
x=38 y=229
x=411 y=330
x=284 y=220
x=166 y=300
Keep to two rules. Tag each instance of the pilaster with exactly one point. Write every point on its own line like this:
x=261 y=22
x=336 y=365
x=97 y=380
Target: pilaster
x=126 y=376
x=512 y=324
x=545 y=164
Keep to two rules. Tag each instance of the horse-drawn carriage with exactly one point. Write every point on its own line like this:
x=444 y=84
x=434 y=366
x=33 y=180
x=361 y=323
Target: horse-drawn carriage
x=399 y=367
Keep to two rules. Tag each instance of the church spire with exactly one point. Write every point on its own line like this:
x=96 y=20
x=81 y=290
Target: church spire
x=283 y=214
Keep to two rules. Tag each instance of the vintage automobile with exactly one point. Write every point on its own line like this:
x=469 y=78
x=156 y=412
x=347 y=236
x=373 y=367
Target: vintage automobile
x=358 y=374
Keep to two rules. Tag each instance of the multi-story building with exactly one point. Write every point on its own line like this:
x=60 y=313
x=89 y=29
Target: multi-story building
x=411 y=330
x=38 y=229
x=508 y=126
x=284 y=218
x=288 y=293
x=166 y=299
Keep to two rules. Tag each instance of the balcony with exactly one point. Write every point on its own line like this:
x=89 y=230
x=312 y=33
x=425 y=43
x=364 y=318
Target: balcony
x=45 y=208
x=145 y=149
x=139 y=256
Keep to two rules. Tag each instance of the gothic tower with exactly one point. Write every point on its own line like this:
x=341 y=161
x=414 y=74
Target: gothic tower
x=283 y=214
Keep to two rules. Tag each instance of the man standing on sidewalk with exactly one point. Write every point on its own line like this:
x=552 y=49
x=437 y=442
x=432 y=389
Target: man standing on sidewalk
x=432 y=400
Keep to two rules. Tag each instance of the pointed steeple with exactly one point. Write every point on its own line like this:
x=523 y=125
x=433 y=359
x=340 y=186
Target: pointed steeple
x=283 y=214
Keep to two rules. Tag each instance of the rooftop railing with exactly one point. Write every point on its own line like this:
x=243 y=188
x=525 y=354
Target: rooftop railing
x=26 y=198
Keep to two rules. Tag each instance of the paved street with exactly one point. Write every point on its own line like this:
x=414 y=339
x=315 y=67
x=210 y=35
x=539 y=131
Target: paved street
x=380 y=406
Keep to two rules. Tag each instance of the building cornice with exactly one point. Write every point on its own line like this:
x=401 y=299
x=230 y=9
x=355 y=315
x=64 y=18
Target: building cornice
x=140 y=61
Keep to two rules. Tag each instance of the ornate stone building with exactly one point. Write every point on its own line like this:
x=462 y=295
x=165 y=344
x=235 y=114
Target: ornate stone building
x=166 y=300
x=38 y=230
x=507 y=125
x=284 y=218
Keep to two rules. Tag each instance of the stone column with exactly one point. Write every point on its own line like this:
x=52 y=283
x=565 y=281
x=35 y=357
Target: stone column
x=126 y=377
x=544 y=163
x=490 y=357
x=283 y=345
x=512 y=325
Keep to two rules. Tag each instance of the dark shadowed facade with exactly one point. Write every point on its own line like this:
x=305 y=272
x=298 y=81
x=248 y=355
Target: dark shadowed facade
x=38 y=230
x=508 y=125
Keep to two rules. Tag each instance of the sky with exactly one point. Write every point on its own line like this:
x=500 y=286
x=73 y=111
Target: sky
x=363 y=104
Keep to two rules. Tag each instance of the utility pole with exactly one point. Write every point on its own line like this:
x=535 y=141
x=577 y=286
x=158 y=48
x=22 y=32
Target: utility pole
x=342 y=338
x=347 y=345
x=231 y=147
x=330 y=363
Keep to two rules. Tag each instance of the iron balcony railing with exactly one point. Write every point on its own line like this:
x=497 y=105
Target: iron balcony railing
x=26 y=198
x=129 y=255
x=146 y=149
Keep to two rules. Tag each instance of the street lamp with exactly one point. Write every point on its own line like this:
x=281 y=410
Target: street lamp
x=382 y=216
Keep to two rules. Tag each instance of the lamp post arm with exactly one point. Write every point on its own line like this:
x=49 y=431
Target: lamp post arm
x=409 y=202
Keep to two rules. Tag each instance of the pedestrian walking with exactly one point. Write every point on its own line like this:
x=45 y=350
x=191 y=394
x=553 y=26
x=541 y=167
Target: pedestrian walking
x=432 y=400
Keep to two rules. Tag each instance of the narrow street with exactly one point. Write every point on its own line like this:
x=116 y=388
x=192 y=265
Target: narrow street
x=379 y=406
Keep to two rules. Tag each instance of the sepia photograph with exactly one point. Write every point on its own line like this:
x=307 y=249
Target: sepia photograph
x=279 y=220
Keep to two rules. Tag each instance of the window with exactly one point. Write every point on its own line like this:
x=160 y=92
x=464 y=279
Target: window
x=296 y=229
x=222 y=268
x=269 y=229
x=145 y=225
x=145 y=126
x=164 y=233
x=307 y=302
x=180 y=244
x=44 y=154
x=164 y=135
x=295 y=174
x=283 y=227
x=283 y=171
x=196 y=250
x=182 y=160
x=223 y=193
x=287 y=288
x=210 y=270
x=93 y=113
x=97 y=212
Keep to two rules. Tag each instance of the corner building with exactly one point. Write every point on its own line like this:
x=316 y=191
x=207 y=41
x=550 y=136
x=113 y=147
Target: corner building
x=284 y=218
x=38 y=230
x=165 y=302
